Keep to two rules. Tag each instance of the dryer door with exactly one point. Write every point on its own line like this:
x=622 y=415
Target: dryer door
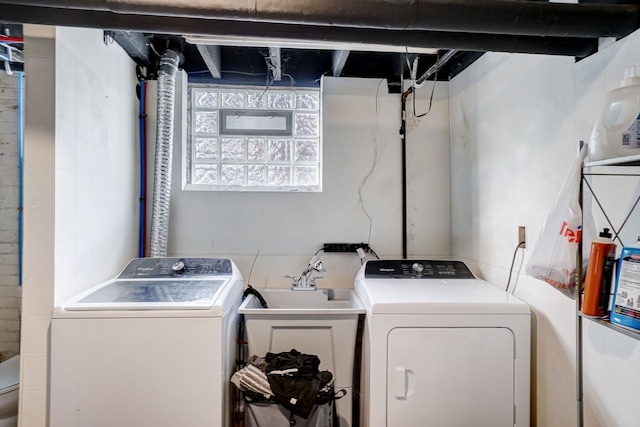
x=450 y=377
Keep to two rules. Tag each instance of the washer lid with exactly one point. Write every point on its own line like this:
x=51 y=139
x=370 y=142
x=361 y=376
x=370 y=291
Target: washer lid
x=162 y=284
x=10 y=374
x=436 y=296
x=150 y=295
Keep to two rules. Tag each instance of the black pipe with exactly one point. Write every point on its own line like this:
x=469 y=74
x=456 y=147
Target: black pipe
x=488 y=16
x=403 y=141
x=568 y=46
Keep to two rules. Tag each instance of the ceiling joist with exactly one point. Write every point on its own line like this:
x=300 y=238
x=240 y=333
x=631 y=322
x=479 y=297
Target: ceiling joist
x=212 y=58
x=339 y=60
x=274 y=64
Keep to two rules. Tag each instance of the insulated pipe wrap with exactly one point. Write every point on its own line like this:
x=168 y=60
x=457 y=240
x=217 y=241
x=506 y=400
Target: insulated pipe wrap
x=517 y=17
x=569 y=46
x=167 y=72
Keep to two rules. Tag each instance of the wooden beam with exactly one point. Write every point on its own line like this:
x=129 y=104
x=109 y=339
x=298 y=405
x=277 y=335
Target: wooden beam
x=275 y=63
x=211 y=56
x=339 y=59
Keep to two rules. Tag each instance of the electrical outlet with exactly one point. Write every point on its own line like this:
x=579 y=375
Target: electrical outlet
x=522 y=235
x=344 y=247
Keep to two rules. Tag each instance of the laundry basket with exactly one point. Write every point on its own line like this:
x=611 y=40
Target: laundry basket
x=260 y=412
x=287 y=389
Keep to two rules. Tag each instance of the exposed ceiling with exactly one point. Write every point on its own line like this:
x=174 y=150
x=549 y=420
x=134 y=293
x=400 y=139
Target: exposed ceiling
x=295 y=42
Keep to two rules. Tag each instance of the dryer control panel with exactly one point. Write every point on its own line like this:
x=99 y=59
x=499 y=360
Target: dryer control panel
x=165 y=268
x=417 y=269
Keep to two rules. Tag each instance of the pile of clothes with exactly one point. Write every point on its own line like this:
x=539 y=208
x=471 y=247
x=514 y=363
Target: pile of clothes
x=289 y=378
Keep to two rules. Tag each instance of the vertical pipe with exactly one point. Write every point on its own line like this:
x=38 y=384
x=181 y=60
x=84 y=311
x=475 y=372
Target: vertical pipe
x=579 y=381
x=403 y=131
x=142 y=117
x=145 y=166
x=167 y=72
x=20 y=171
x=403 y=136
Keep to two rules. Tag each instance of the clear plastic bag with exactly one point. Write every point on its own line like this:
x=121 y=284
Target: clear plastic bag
x=553 y=258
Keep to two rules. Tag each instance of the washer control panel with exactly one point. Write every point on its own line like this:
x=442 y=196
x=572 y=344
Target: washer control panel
x=165 y=268
x=417 y=269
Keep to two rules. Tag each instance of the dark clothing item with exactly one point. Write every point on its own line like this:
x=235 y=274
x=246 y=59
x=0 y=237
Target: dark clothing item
x=297 y=389
x=306 y=364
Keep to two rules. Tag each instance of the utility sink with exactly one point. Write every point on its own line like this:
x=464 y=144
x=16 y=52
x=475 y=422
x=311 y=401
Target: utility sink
x=285 y=302
x=323 y=322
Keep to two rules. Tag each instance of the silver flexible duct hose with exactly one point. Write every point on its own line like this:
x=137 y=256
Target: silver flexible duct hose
x=164 y=153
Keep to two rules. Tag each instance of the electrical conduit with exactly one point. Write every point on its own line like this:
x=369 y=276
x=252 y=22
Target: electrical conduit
x=167 y=72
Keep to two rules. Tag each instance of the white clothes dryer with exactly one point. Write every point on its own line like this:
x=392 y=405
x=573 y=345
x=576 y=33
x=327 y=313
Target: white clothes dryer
x=153 y=347
x=442 y=348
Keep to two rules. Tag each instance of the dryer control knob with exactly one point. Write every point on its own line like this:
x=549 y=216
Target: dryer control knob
x=418 y=268
x=178 y=266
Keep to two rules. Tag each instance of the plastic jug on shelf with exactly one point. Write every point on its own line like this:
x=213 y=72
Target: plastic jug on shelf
x=616 y=131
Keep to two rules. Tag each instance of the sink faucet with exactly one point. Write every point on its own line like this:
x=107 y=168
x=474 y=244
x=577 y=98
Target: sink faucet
x=304 y=282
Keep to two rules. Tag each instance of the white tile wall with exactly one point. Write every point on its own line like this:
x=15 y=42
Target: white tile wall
x=80 y=202
x=96 y=152
x=515 y=123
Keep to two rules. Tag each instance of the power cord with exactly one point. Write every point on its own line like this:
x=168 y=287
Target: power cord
x=433 y=88
x=513 y=261
x=374 y=163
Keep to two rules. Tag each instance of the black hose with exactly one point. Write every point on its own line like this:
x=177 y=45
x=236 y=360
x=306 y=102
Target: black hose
x=252 y=291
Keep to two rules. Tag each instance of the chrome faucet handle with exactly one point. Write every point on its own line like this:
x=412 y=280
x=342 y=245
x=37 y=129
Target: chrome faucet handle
x=294 y=280
x=312 y=281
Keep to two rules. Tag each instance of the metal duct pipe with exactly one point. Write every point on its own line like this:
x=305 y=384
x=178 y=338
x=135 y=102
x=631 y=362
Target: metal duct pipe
x=167 y=72
x=569 y=46
x=516 y=17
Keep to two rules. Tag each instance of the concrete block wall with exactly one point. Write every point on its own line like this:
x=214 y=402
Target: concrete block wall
x=9 y=201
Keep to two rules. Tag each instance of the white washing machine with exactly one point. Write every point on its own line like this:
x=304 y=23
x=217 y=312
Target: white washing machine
x=442 y=348
x=154 y=347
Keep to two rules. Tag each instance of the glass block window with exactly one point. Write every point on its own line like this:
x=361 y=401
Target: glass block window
x=246 y=139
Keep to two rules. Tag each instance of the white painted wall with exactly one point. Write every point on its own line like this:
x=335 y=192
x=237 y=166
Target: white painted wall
x=515 y=125
x=39 y=199
x=361 y=121
x=80 y=203
x=80 y=198
x=9 y=203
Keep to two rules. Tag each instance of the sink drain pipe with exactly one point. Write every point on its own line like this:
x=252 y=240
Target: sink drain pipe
x=167 y=72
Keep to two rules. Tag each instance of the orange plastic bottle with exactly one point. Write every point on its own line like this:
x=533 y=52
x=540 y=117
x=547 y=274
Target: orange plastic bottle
x=597 y=282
